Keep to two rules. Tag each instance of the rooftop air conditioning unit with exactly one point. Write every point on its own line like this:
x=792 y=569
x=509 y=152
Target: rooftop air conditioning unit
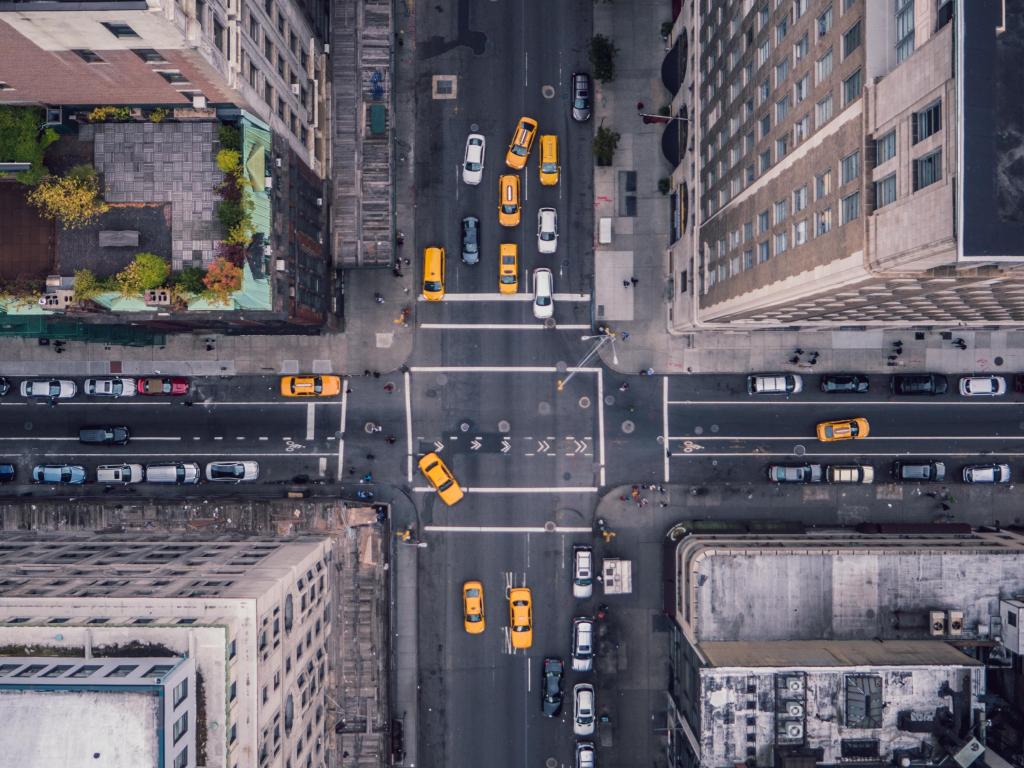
x=956 y=623
x=277 y=161
x=794 y=730
x=936 y=623
x=327 y=49
x=268 y=249
x=795 y=709
x=268 y=182
x=319 y=202
x=794 y=684
x=199 y=102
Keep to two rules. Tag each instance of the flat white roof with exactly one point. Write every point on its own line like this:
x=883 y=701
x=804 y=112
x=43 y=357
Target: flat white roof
x=61 y=729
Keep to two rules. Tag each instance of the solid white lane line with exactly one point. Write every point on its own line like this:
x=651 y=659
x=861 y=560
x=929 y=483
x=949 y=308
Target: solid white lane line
x=341 y=428
x=513 y=297
x=322 y=466
x=494 y=369
x=478 y=489
x=871 y=438
x=504 y=529
x=75 y=439
x=600 y=420
x=891 y=455
x=408 y=428
x=854 y=403
x=218 y=438
x=664 y=425
x=119 y=402
x=310 y=421
x=136 y=454
x=239 y=438
x=500 y=327
x=291 y=402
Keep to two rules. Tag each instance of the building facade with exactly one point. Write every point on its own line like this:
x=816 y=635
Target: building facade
x=821 y=168
x=252 y=615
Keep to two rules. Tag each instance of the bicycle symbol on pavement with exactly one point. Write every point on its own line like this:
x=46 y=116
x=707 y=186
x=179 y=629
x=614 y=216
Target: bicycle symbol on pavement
x=291 y=446
x=689 y=446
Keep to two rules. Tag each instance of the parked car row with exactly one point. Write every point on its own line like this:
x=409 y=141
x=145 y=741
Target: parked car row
x=126 y=473
x=857 y=383
x=902 y=471
x=113 y=387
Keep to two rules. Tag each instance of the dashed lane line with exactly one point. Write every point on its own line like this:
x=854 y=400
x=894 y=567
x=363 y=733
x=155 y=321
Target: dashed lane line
x=501 y=327
x=480 y=489
x=508 y=297
x=485 y=529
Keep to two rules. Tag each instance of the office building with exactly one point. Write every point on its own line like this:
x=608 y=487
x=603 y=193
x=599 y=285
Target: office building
x=845 y=162
x=164 y=651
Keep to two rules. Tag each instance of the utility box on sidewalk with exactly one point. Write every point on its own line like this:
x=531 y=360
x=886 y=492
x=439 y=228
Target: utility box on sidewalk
x=604 y=230
x=617 y=576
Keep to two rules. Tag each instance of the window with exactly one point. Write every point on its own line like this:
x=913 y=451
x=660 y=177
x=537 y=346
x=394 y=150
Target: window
x=751 y=174
x=850 y=207
x=86 y=55
x=232 y=691
x=149 y=55
x=799 y=199
x=762 y=222
x=763 y=252
x=781 y=72
x=119 y=29
x=180 y=727
x=927 y=169
x=823 y=111
x=1011 y=618
x=850 y=167
x=851 y=40
x=766 y=125
x=181 y=759
x=748 y=232
x=781 y=243
x=800 y=89
x=799 y=8
x=268 y=49
x=280 y=23
x=824 y=22
x=781 y=210
x=904 y=29
x=766 y=160
x=781 y=147
x=748 y=258
x=762 y=52
x=800 y=233
x=763 y=90
x=801 y=129
x=781 y=109
x=734 y=265
x=851 y=88
x=180 y=692
x=822 y=184
x=885 y=191
x=885 y=148
x=762 y=16
x=945 y=13
x=823 y=222
x=823 y=67
x=748 y=143
x=748 y=109
x=800 y=48
x=201 y=13
x=280 y=66
x=847 y=5
x=172 y=76
x=926 y=122
x=781 y=30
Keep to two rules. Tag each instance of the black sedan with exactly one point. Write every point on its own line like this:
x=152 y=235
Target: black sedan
x=551 y=687
x=843 y=383
x=471 y=240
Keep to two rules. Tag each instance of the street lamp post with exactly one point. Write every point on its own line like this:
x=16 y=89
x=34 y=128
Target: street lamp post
x=602 y=338
x=649 y=118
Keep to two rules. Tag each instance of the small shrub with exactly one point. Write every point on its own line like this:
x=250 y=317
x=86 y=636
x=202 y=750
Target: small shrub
x=664 y=185
x=606 y=141
x=147 y=271
x=190 y=280
x=87 y=285
x=21 y=141
x=230 y=213
x=72 y=202
x=232 y=252
x=158 y=115
x=230 y=161
x=109 y=114
x=230 y=137
x=222 y=279
x=240 y=234
x=602 y=58
x=664 y=110
x=666 y=29
x=230 y=189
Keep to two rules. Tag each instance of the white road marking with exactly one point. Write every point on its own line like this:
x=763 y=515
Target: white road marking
x=218 y=438
x=68 y=401
x=291 y=402
x=341 y=429
x=900 y=455
x=263 y=437
x=408 y=428
x=664 y=425
x=310 y=421
x=75 y=439
x=579 y=297
x=529 y=671
x=819 y=403
x=872 y=438
x=239 y=438
x=255 y=454
x=495 y=369
x=483 y=529
x=478 y=489
x=600 y=420
x=322 y=466
x=500 y=327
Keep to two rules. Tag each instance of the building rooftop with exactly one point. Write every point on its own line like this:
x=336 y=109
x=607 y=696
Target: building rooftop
x=116 y=729
x=805 y=654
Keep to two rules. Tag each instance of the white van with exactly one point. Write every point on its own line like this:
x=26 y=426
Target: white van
x=177 y=473
x=774 y=384
x=120 y=473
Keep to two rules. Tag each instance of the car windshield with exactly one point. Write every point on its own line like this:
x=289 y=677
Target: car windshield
x=543 y=301
x=507 y=279
x=581 y=102
x=509 y=207
x=549 y=167
x=54 y=389
x=227 y=470
x=432 y=285
x=471 y=166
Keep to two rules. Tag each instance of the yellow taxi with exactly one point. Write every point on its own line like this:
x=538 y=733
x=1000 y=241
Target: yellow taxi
x=844 y=429
x=508 y=268
x=548 y=160
x=441 y=478
x=473 y=607
x=433 y=273
x=522 y=139
x=520 y=617
x=508 y=193
x=310 y=386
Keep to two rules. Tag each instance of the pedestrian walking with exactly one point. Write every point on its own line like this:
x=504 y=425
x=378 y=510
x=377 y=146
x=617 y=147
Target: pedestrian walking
x=370 y=457
x=390 y=439
x=634 y=281
x=366 y=372
x=644 y=502
x=639 y=106
x=389 y=387
x=663 y=504
x=625 y=335
x=376 y=374
x=378 y=298
x=794 y=360
x=626 y=284
x=624 y=386
x=798 y=351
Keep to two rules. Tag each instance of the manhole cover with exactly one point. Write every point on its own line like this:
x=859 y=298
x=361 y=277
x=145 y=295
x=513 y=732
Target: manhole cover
x=584 y=402
x=549 y=323
x=800 y=450
x=628 y=427
x=551 y=763
x=442 y=379
x=550 y=527
x=548 y=91
x=561 y=366
x=714 y=429
x=609 y=400
x=504 y=426
x=997 y=360
x=698 y=430
x=464 y=426
x=566 y=476
x=544 y=408
x=474 y=128
x=28 y=426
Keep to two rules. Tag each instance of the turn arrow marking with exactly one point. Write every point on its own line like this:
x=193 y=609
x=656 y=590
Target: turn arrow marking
x=475 y=445
x=542 y=446
x=506 y=446
x=438 y=446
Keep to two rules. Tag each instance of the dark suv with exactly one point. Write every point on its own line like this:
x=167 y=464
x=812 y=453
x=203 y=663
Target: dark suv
x=551 y=687
x=580 y=97
x=919 y=384
x=844 y=382
x=104 y=435
x=471 y=240
x=918 y=471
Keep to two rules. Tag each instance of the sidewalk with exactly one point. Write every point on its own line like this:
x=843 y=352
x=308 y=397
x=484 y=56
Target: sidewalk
x=639 y=249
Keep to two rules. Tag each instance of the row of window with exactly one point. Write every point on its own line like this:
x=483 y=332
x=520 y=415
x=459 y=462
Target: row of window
x=925 y=171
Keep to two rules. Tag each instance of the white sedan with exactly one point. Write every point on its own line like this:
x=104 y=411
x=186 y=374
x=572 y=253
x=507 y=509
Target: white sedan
x=547 y=230
x=543 y=294
x=473 y=165
x=51 y=388
x=121 y=386
x=982 y=386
